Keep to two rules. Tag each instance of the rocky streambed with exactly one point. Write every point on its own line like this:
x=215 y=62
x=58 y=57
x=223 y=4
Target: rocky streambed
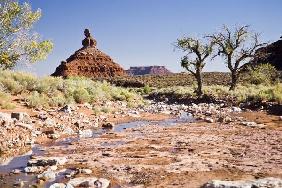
x=158 y=145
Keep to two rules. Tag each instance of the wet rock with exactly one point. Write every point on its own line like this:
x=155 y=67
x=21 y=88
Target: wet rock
x=47 y=161
x=260 y=183
x=107 y=125
x=33 y=169
x=16 y=171
x=47 y=175
x=19 y=183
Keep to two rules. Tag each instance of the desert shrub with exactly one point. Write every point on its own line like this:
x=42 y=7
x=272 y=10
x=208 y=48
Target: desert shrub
x=242 y=94
x=53 y=91
x=11 y=85
x=6 y=101
x=81 y=95
x=37 y=100
x=265 y=74
x=49 y=85
x=147 y=89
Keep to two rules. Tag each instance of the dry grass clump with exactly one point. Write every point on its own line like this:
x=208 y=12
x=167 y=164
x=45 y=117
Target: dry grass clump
x=53 y=91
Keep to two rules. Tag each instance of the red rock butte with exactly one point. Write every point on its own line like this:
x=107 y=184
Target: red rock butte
x=89 y=62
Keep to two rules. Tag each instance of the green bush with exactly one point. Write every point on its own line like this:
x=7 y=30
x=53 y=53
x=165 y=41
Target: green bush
x=81 y=95
x=6 y=101
x=265 y=74
x=147 y=89
x=52 y=91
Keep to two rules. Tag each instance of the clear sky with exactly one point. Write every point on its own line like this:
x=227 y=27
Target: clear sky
x=141 y=32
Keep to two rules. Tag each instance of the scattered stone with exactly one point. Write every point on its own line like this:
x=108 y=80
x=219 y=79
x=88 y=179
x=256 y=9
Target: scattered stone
x=236 y=109
x=42 y=116
x=253 y=124
x=102 y=183
x=107 y=125
x=85 y=133
x=21 y=116
x=16 y=171
x=61 y=185
x=66 y=109
x=209 y=120
x=83 y=181
x=47 y=161
x=85 y=171
x=47 y=175
x=260 y=183
x=20 y=183
x=33 y=169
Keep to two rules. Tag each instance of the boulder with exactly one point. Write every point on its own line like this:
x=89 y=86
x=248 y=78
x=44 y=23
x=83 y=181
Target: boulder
x=21 y=116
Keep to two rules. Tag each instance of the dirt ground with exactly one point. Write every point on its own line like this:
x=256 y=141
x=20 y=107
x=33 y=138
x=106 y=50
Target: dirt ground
x=186 y=155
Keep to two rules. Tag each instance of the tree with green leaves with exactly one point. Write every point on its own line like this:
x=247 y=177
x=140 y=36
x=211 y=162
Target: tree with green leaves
x=194 y=61
x=237 y=46
x=18 y=41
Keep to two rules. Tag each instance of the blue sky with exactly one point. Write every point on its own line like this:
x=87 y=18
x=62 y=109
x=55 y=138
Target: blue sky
x=141 y=32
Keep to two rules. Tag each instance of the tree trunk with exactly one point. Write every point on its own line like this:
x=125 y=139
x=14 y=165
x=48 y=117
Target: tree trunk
x=199 y=83
x=234 y=80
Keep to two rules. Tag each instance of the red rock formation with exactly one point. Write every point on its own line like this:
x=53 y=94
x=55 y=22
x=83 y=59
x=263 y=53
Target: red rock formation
x=89 y=62
x=151 y=70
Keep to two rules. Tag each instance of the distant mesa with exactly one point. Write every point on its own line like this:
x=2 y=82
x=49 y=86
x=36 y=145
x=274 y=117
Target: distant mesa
x=272 y=54
x=89 y=62
x=148 y=70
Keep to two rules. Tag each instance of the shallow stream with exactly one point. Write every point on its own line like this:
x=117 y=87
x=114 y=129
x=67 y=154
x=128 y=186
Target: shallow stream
x=7 y=179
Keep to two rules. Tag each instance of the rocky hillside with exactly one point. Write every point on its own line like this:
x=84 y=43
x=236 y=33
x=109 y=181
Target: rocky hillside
x=273 y=54
x=151 y=70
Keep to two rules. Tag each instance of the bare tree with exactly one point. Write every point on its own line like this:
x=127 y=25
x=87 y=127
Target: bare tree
x=194 y=60
x=237 y=47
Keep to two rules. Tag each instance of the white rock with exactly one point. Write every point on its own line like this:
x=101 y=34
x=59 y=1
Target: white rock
x=83 y=181
x=47 y=161
x=260 y=183
x=33 y=169
x=47 y=175
x=102 y=183
x=85 y=133
x=209 y=120
x=85 y=171
x=236 y=109
x=57 y=185
x=21 y=116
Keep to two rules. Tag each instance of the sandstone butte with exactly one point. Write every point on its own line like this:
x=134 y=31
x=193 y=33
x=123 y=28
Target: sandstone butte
x=89 y=61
